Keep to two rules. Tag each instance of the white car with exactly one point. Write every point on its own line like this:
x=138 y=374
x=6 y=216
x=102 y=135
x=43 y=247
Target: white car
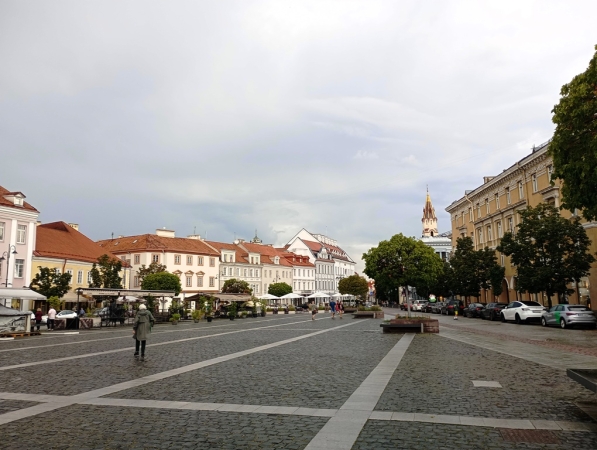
x=66 y=314
x=419 y=304
x=44 y=318
x=522 y=312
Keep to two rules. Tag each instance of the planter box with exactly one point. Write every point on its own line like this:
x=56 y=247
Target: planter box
x=429 y=326
x=368 y=315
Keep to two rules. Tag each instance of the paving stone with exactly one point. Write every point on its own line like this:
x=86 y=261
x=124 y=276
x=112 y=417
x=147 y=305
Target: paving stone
x=14 y=405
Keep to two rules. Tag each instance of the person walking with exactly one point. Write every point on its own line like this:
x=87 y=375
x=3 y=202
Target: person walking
x=51 y=318
x=81 y=312
x=333 y=308
x=38 y=316
x=340 y=309
x=141 y=329
x=313 y=310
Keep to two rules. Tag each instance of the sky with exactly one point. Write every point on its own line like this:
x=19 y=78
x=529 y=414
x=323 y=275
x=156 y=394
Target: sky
x=225 y=117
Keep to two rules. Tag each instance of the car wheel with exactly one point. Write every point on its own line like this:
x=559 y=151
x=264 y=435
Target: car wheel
x=562 y=323
x=502 y=318
x=517 y=320
x=492 y=316
x=543 y=321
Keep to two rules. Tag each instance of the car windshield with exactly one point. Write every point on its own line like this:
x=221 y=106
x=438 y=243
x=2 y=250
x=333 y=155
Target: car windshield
x=578 y=308
x=66 y=312
x=531 y=303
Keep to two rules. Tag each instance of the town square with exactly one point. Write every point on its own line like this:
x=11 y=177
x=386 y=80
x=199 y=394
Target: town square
x=318 y=224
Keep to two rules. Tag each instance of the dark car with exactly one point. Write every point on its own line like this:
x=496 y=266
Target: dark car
x=428 y=307
x=452 y=306
x=492 y=311
x=436 y=308
x=474 y=310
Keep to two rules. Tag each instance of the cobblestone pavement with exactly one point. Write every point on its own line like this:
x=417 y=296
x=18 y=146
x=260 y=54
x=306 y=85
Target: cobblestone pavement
x=323 y=383
x=381 y=435
x=436 y=374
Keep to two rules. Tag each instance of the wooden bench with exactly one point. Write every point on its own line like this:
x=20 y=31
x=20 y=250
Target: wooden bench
x=399 y=327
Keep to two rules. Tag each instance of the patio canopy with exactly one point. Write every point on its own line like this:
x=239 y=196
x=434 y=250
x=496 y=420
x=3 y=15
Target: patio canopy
x=22 y=293
x=337 y=295
x=292 y=295
x=221 y=297
x=319 y=295
x=268 y=297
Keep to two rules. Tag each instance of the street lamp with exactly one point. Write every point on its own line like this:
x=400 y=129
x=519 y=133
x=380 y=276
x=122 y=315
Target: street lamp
x=6 y=256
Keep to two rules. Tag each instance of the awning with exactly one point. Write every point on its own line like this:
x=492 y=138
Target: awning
x=222 y=297
x=269 y=297
x=4 y=311
x=22 y=293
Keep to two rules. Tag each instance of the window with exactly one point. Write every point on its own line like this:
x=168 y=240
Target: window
x=200 y=260
x=520 y=191
x=200 y=280
x=211 y=281
x=238 y=271
x=549 y=172
x=189 y=281
x=487 y=206
x=251 y=272
x=1 y=231
x=89 y=279
x=510 y=225
x=136 y=281
x=508 y=198
x=189 y=260
x=245 y=272
x=503 y=260
x=534 y=181
x=176 y=259
x=499 y=229
x=155 y=258
x=70 y=272
x=19 y=267
x=497 y=201
x=212 y=262
x=21 y=233
x=79 y=277
x=480 y=232
x=137 y=259
x=256 y=272
x=489 y=234
x=478 y=211
x=257 y=289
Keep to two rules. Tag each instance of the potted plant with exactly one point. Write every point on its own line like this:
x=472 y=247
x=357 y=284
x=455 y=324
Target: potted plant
x=263 y=308
x=196 y=315
x=254 y=309
x=244 y=314
x=232 y=311
x=175 y=318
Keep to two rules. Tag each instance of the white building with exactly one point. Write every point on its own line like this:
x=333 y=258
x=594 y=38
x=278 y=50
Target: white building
x=440 y=243
x=237 y=262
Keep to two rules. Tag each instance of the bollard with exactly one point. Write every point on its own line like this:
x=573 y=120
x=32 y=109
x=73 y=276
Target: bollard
x=455 y=314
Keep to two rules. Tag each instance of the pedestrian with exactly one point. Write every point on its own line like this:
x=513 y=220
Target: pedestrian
x=141 y=329
x=51 y=318
x=38 y=316
x=333 y=308
x=340 y=309
x=313 y=310
x=81 y=312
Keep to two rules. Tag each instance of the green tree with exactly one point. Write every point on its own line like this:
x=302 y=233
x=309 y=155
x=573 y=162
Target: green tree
x=548 y=251
x=55 y=302
x=236 y=286
x=574 y=143
x=490 y=272
x=154 y=267
x=441 y=286
x=106 y=273
x=162 y=281
x=354 y=285
x=50 y=283
x=466 y=274
x=279 y=289
x=402 y=261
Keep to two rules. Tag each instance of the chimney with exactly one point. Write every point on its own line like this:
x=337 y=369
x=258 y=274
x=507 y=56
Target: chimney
x=120 y=236
x=165 y=233
x=194 y=236
x=74 y=226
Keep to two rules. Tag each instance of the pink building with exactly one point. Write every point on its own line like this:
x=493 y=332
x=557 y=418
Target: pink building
x=18 y=221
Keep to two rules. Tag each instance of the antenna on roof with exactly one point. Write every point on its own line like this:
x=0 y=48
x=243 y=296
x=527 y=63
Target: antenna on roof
x=195 y=229
x=112 y=235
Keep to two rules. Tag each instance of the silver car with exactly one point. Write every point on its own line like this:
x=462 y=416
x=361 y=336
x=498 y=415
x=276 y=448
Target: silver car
x=419 y=304
x=568 y=315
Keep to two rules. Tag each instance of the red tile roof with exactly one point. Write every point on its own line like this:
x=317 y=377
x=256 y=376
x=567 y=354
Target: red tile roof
x=241 y=256
x=267 y=252
x=4 y=202
x=59 y=240
x=152 y=242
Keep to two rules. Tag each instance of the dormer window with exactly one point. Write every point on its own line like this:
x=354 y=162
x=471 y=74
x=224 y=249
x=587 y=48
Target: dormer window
x=276 y=260
x=16 y=198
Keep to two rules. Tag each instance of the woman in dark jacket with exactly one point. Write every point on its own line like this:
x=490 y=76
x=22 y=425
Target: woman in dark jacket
x=141 y=329
x=38 y=316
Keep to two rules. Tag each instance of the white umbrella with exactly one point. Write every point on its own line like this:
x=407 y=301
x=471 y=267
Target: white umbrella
x=129 y=299
x=268 y=297
x=337 y=295
x=292 y=295
x=318 y=295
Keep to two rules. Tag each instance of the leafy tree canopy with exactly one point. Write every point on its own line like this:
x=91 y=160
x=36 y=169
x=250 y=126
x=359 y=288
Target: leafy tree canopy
x=236 y=286
x=106 y=273
x=574 y=143
x=354 y=285
x=279 y=289
x=548 y=250
x=50 y=283
x=162 y=281
x=154 y=267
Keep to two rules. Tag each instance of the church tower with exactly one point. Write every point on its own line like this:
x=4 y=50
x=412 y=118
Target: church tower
x=429 y=219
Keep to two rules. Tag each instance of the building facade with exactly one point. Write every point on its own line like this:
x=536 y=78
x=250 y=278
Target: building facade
x=488 y=211
x=440 y=243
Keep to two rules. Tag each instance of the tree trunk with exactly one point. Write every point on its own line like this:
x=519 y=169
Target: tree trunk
x=549 y=299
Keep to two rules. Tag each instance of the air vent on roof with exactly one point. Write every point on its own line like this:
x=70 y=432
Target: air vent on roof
x=135 y=241
x=116 y=243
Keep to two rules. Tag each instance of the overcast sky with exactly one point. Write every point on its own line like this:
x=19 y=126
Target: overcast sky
x=126 y=116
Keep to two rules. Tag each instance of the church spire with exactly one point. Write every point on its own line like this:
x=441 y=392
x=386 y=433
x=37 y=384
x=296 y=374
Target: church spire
x=429 y=219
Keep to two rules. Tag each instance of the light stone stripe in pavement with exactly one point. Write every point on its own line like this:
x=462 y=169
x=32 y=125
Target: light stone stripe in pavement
x=80 y=398
x=550 y=357
x=343 y=429
x=127 y=349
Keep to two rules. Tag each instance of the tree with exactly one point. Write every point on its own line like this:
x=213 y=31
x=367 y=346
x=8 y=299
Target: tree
x=55 y=302
x=279 y=289
x=236 y=286
x=466 y=279
x=162 y=281
x=106 y=273
x=49 y=283
x=441 y=286
x=402 y=261
x=574 y=143
x=154 y=267
x=548 y=251
x=490 y=272
x=354 y=285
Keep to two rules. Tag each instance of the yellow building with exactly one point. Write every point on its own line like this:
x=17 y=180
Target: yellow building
x=487 y=212
x=61 y=246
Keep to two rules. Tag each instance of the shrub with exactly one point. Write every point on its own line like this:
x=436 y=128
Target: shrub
x=291 y=308
x=375 y=308
x=175 y=317
x=196 y=314
x=321 y=307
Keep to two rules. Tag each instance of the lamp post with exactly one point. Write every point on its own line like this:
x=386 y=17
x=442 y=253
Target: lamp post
x=6 y=256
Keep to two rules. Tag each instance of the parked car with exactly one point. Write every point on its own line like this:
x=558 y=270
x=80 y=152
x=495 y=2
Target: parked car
x=569 y=315
x=451 y=306
x=474 y=310
x=418 y=305
x=428 y=307
x=522 y=312
x=492 y=311
x=66 y=314
x=436 y=308
x=102 y=312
